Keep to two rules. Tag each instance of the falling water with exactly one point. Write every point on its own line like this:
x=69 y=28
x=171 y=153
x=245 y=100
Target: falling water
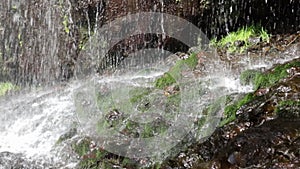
x=39 y=48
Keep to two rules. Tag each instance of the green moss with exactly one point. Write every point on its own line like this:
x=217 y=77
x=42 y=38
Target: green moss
x=6 y=87
x=247 y=77
x=174 y=73
x=148 y=131
x=230 y=114
x=215 y=107
x=152 y=129
x=83 y=147
x=66 y=24
x=242 y=35
x=91 y=162
x=164 y=81
x=191 y=61
x=268 y=79
x=249 y=97
x=98 y=158
x=200 y=122
x=131 y=125
x=137 y=94
x=174 y=99
x=230 y=110
x=289 y=109
x=261 y=80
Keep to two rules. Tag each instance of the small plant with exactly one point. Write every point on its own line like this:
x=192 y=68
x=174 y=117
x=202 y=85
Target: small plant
x=66 y=24
x=264 y=35
x=239 y=41
x=6 y=87
x=82 y=147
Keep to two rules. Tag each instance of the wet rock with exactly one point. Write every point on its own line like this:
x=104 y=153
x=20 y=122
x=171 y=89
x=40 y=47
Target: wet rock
x=16 y=161
x=171 y=90
x=265 y=133
x=71 y=133
x=113 y=115
x=11 y=160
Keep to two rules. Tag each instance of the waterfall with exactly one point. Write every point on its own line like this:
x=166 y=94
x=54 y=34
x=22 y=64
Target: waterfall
x=54 y=50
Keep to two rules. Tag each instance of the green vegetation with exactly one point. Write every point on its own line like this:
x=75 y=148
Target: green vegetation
x=138 y=93
x=152 y=129
x=230 y=110
x=173 y=103
x=262 y=80
x=95 y=158
x=216 y=106
x=6 y=87
x=89 y=162
x=247 y=77
x=66 y=24
x=267 y=79
x=164 y=81
x=65 y=17
x=288 y=109
x=83 y=147
x=145 y=130
x=239 y=41
x=174 y=73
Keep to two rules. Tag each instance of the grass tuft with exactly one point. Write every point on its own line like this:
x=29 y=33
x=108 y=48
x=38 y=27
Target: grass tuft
x=238 y=42
x=6 y=87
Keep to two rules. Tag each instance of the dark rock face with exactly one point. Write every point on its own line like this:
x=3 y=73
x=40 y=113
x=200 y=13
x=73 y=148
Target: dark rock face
x=41 y=41
x=214 y=17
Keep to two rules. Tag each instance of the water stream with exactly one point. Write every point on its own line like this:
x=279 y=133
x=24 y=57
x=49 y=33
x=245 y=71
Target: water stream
x=32 y=121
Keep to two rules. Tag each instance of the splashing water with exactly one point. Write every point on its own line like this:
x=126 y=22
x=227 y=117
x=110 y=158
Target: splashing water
x=31 y=123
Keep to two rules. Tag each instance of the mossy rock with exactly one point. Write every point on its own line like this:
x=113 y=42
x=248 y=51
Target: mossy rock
x=137 y=94
x=82 y=147
x=164 y=81
x=276 y=74
x=268 y=78
x=288 y=109
x=100 y=158
x=173 y=103
x=247 y=77
x=68 y=135
x=230 y=110
x=174 y=74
